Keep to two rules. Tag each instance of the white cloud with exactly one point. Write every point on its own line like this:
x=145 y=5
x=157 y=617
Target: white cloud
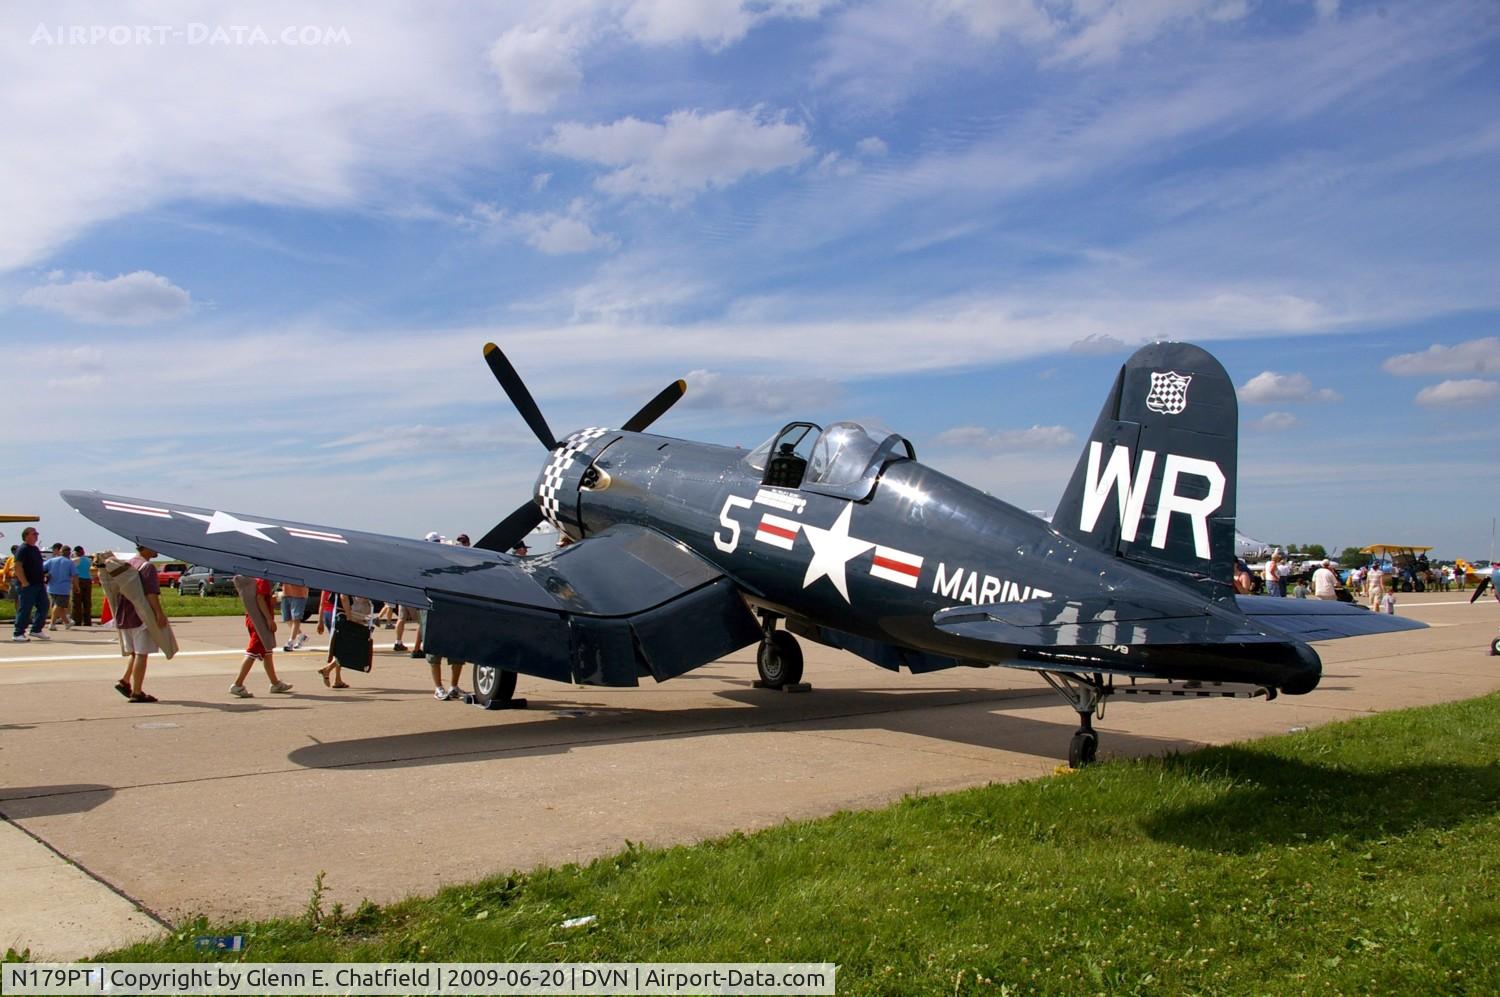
x=871 y=147
x=558 y=234
x=1477 y=356
x=536 y=67
x=1024 y=19
x=714 y=23
x=835 y=165
x=1005 y=440
x=633 y=289
x=1470 y=391
x=139 y=298
x=571 y=232
x=1107 y=27
x=418 y=440
x=1269 y=387
x=1277 y=422
x=689 y=152
x=547 y=231
x=770 y=395
x=1097 y=345
x=96 y=132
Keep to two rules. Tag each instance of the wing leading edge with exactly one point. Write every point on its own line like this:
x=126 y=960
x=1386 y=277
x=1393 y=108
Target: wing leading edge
x=625 y=603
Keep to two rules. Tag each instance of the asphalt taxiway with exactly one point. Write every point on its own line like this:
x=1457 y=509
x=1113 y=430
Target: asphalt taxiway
x=121 y=818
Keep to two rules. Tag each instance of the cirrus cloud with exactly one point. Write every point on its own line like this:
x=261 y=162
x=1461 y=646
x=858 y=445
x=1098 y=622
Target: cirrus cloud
x=1005 y=440
x=710 y=389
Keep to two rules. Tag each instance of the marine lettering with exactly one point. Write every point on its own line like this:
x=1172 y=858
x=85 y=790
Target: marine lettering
x=979 y=589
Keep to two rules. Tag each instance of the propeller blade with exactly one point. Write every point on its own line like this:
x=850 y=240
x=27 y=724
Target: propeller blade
x=519 y=396
x=653 y=409
x=512 y=529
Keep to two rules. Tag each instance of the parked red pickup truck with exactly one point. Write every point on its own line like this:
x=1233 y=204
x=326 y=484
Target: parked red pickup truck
x=169 y=572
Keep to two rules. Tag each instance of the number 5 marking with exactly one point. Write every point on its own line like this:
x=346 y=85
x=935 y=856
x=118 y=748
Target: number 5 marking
x=728 y=544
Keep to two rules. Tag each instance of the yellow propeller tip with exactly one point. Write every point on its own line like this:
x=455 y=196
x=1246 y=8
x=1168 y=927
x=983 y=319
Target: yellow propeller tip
x=682 y=385
x=490 y=348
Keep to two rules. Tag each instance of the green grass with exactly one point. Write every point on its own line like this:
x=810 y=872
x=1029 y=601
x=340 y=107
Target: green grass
x=1354 y=858
x=197 y=605
x=176 y=605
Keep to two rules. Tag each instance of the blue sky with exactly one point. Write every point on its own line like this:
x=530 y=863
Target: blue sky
x=249 y=254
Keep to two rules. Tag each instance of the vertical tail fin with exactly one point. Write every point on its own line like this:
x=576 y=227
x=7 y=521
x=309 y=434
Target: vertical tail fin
x=1156 y=482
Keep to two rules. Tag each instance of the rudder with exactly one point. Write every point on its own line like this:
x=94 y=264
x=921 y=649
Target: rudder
x=1156 y=481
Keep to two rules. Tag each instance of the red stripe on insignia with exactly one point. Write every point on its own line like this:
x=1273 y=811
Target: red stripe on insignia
x=898 y=566
x=777 y=531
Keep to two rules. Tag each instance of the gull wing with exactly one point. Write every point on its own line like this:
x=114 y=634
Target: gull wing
x=626 y=603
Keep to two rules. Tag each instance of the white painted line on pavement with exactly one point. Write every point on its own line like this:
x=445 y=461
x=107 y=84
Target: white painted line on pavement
x=116 y=657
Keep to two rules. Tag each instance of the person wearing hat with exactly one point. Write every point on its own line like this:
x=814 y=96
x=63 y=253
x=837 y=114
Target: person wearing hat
x=463 y=540
x=519 y=550
x=1325 y=583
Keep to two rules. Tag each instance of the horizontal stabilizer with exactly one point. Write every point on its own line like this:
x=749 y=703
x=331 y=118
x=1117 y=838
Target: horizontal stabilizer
x=1101 y=622
x=1320 y=619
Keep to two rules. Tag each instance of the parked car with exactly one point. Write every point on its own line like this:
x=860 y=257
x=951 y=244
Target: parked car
x=168 y=573
x=199 y=580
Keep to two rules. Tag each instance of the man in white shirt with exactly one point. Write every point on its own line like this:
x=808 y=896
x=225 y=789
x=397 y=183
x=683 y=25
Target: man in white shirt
x=1325 y=582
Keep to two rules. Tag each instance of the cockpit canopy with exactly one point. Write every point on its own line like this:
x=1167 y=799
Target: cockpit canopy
x=844 y=459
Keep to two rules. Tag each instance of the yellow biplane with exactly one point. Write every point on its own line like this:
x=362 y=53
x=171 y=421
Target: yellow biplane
x=17 y=517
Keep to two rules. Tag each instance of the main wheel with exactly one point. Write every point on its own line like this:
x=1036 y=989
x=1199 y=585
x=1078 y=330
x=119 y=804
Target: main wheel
x=1084 y=747
x=1495 y=647
x=779 y=660
x=493 y=687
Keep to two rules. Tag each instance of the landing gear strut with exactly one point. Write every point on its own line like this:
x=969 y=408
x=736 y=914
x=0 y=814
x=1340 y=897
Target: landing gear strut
x=1086 y=695
x=779 y=658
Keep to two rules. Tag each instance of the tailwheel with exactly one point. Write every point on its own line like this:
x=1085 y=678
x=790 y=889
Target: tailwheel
x=1495 y=647
x=1084 y=747
x=495 y=688
x=1087 y=695
x=779 y=660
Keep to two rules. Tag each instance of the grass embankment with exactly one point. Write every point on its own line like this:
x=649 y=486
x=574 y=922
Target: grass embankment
x=1359 y=857
x=175 y=604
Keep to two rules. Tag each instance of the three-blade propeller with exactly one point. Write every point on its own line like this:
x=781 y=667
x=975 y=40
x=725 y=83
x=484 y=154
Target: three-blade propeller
x=513 y=528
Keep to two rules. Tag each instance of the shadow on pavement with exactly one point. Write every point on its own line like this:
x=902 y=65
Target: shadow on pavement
x=51 y=801
x=555 y=728
x=1278 y=801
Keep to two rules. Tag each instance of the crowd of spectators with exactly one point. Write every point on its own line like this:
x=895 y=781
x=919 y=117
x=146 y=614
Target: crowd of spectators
x=58 y=591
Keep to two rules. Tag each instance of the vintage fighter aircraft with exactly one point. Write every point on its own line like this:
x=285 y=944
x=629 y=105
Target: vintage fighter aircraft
x=687 y=551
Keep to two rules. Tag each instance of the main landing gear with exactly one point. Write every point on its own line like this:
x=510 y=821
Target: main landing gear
x=779 y=658
x=1086 y=694
x=495 y=689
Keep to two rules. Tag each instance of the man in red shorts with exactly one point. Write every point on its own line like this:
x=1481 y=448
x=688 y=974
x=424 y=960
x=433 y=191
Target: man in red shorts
x=256 y=650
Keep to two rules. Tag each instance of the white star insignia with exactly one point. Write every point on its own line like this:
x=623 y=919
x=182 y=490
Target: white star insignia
x=223 y=522
x=832 y=549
